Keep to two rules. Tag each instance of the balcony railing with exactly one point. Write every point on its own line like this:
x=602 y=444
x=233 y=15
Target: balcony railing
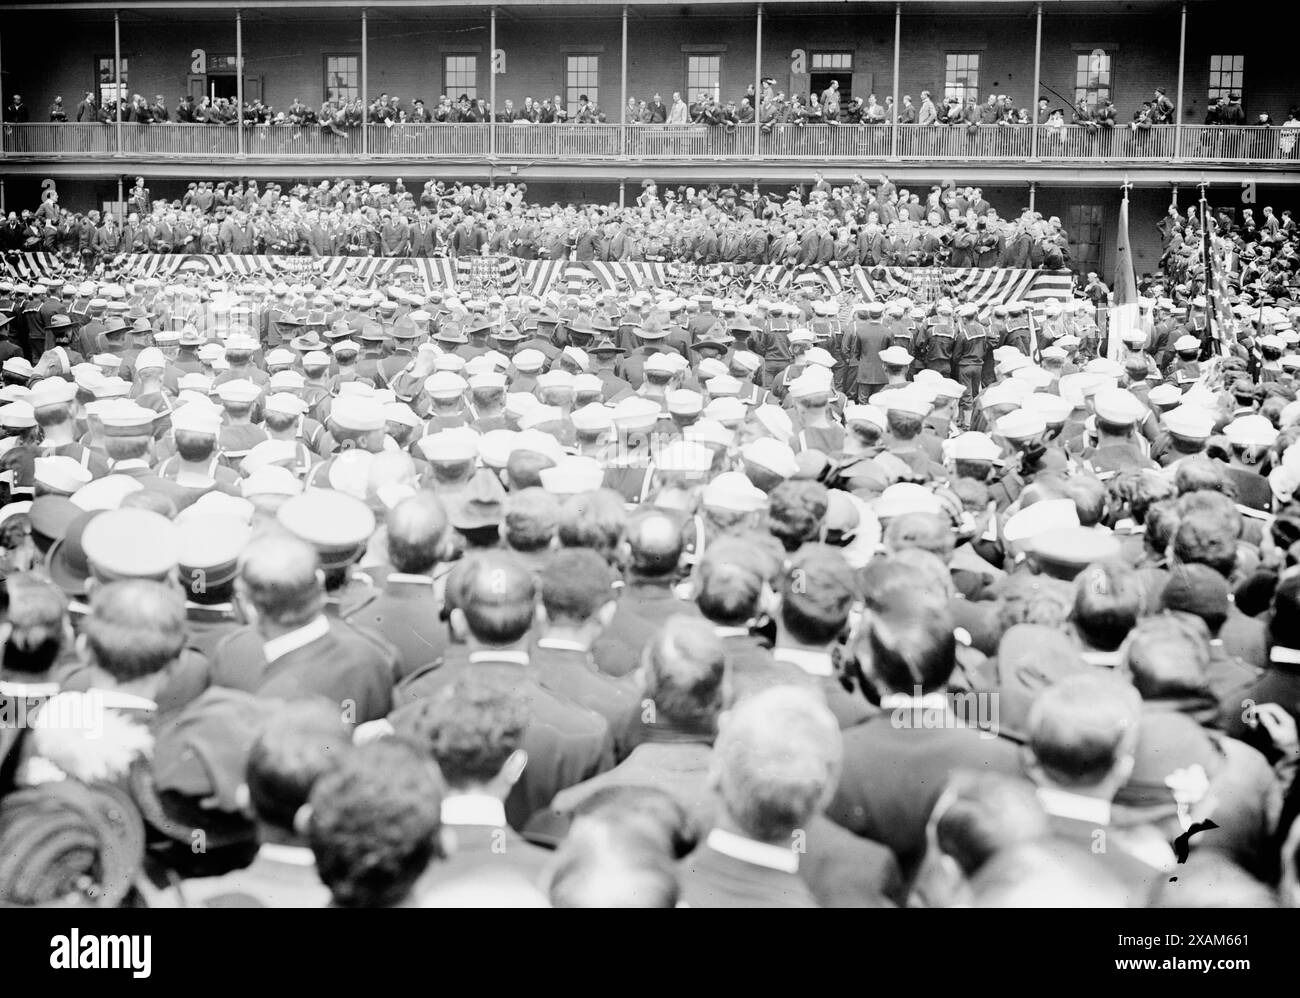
x=610 y=142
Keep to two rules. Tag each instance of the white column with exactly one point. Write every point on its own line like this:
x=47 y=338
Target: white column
x=117 y=78
x=239 y=75
x=758 y=76
x=492 y=83
x=898 y=44
x=1182 y=61
x=365 y=95
x=1038 y=80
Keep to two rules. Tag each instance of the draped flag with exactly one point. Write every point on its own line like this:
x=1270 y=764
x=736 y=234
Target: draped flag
x=1124 y=312
x=504 y=275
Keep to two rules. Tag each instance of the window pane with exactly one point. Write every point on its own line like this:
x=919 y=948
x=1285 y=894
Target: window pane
x=580 y=80
x=703 y=75
x=342 y=77
x=1227 y=75
x=1084 y=226
x=460 y=76
x=824 y=62
x=106 y=78
x=961 y=78
x=1092 y=77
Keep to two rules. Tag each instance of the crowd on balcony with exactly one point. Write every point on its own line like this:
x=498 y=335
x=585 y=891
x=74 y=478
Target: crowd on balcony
x=866 y=222
x=772 y=109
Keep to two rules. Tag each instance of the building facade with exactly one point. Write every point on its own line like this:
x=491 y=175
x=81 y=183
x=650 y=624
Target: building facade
x=1062 y=49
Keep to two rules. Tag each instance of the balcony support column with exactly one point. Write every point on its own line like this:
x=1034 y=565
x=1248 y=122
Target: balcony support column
x=622 y=184
x=1033 y=188
x=1182 y=65
x=898 y=40
x=1038 y=80
x=365 y=93
x=492 y=83
x=758 y=78
x=622 y=117
x=117 y=81
x=120 y=207
x=239 y=75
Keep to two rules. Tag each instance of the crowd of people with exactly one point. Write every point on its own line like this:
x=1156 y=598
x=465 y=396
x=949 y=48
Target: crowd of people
x=1267 y=249
x=774 y=107
x=397 y=596
x=867 y=222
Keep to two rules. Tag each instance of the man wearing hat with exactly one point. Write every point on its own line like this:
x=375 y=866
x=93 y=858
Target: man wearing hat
x=650 y=337
x=208 y=550
x=970 y=348
x=1117 y=413
x=239 y=434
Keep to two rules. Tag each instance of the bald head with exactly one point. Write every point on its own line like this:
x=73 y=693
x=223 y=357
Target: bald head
x=278 y=575
x=655 y=538
x=777 y=756
x=416 y=529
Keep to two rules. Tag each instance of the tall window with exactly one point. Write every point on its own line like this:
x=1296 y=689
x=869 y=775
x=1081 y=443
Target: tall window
x=106 y=77
x=1092 y=77
x=703 y=75
x=1226 y=75
x=1084 y=226
x=460 y=76
x=961 y=76
x=342 y=77
x=581 y=79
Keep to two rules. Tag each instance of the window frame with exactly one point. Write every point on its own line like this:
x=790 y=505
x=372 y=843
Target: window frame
x=100 y=87
x=1108 y=87
x=1236 y=78
x=325 y=71
x=690 y=92
x=571 y=100
x=453 y=93
x=1075 y=225
x=848 y=54
x=967 y=91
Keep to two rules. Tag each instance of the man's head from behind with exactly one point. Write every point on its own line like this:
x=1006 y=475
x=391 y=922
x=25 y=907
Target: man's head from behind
x=1082 y=734
x=303 y=740
x=655 y=543
x=493 y=600
x=376 y=824
x=417 y=531
x=682 y=669
x=817 y=594
x=776 y=760
x=135 y=629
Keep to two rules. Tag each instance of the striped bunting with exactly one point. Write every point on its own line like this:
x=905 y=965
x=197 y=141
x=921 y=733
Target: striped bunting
x=508 y=275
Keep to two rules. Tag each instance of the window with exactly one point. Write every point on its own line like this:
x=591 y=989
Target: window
x=460 y=76
x=105 y=75
x=1084 y=226
x=703 y=75
x=961 y=76
x=1092 y=77
x=581 y=75
x=218 y=64
x=342 y=77
x=1226 y=75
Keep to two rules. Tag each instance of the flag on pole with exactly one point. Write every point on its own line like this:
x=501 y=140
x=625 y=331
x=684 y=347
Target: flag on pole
x=1124 y=310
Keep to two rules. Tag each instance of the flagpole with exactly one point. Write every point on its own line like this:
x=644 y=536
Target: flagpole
x=1208 y=263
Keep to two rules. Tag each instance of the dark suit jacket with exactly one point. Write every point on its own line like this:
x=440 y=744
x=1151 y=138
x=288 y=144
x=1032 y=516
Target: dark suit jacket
x=566 y=743
x=343 y=666
x=711 y=879
x=481 y=849
x=892 y=777
x=573 y=674
x=642 y=609
x=406 y=614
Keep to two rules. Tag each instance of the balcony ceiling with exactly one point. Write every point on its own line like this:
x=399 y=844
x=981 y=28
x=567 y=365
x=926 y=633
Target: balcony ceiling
x=530 y=10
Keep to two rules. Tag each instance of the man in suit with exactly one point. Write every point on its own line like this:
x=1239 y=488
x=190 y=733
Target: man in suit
x=682 y=679
x=406 y=610
x=773 y=766
x=897 y=762
x=294 y=651
x=493 y=603
x=577 y=603
x=648 y=599
x=475 y=730
x=1083 y=735
x=866 y=337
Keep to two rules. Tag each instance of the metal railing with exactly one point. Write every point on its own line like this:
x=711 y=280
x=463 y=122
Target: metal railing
x=776 y=141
